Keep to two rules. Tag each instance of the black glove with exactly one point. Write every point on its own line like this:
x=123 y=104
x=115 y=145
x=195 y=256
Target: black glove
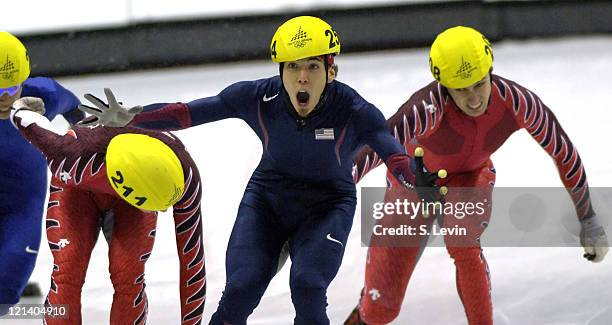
x=425 y=181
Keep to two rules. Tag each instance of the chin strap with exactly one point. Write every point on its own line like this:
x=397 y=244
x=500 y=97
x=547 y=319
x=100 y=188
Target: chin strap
x=328 y=62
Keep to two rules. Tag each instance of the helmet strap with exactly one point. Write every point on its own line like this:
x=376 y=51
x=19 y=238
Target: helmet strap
x=328 y=62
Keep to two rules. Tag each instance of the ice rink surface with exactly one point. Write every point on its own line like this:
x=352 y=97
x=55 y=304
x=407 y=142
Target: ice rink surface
x=530 y=285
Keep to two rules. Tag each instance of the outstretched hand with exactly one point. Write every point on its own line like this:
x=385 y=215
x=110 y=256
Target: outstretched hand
x=112 y=114
x=425 y=181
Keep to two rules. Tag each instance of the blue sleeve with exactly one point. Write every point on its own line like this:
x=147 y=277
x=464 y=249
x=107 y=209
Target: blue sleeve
x=64 y=103
x=376 y=134
x=178 y=116
x=233 y=102
x=210 y=109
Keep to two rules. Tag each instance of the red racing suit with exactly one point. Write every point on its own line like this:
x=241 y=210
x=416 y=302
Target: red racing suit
x=81 y=198
x=462 y=145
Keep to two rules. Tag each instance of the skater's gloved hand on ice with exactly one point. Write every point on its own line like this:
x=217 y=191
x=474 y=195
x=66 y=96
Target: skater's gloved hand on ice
x=33 y=104
x=593 y=239
x=413 y=174
x=112 y=114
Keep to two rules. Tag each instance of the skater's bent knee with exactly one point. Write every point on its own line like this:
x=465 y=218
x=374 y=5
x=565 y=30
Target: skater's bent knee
x=378 y=315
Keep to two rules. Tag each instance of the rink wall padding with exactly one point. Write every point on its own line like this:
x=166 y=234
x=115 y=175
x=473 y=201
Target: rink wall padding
x=146 y=45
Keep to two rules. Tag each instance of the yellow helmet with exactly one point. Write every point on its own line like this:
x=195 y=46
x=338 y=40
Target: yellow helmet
x=14 y=61
x=144 y=171
x=460 y=57
x=303 y=37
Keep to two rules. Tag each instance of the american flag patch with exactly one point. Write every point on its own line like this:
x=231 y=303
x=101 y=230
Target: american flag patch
x=324 y=134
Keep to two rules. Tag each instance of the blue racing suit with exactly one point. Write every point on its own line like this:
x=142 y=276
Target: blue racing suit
x=301 y=192
x=23 y=189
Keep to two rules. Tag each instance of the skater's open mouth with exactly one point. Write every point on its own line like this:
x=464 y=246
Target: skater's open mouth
x=302 y=98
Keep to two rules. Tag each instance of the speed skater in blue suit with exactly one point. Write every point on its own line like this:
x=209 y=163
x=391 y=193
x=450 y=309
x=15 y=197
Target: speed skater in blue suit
x=302 y=192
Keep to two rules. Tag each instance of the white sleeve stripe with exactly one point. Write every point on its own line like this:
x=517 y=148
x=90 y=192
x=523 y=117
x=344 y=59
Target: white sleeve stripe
x=28 y=118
